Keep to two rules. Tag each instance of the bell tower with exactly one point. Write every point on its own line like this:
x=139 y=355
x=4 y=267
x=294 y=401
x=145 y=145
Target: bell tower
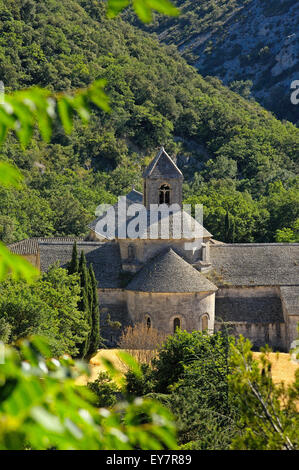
x=162 y=181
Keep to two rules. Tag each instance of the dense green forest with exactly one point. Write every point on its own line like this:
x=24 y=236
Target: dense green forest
x=237 y=158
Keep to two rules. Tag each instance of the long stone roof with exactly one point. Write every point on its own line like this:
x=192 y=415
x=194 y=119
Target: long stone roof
x=29 y=246
x=168 y=272
x=256 y=264
x=162 y=167
x=105 y=258
x=272 y=264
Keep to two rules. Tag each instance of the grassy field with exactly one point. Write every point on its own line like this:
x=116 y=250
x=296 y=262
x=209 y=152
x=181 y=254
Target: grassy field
x=283 y=368
x=96 y=364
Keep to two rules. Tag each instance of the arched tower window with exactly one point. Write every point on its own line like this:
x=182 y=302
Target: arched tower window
x=176 y=324
x=204 y=322
x=131 y=252
x=164 y=194
x=148 y=322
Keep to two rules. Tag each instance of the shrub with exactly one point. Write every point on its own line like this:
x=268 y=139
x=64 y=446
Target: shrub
x=142 y=341
x=105 y=390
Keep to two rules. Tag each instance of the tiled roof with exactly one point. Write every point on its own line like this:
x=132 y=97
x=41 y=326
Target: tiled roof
x=29 y=246
x=168 y=272
x=24 y=247
x=162 y=167
x=105 y=258
x=257 y=264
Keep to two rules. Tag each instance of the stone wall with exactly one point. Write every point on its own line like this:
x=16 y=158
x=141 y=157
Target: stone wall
x=290 y=303
x=260 y=334
x=152 y=187
x=34 y=259
x=164 y=308
x=145 y=250
x=254 y=312
x=113 y=304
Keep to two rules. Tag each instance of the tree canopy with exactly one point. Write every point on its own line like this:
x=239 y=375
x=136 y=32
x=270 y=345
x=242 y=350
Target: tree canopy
x=155 y=99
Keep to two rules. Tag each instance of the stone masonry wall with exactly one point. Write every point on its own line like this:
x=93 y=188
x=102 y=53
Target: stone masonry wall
x=254 y=312
x=164 y=308
x=260 y=334
x=113 y=304
x=153 y=186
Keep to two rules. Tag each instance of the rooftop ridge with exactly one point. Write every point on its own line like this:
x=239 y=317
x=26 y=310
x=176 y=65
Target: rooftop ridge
x=230 y=245
x=84 y=243
x=152 y=166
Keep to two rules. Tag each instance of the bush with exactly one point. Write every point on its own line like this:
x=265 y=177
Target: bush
x=139 y=385
x=142 y=341
x=105 y=390
x=183 y=349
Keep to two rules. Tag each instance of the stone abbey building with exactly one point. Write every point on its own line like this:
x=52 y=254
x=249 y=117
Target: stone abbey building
x=253 y=289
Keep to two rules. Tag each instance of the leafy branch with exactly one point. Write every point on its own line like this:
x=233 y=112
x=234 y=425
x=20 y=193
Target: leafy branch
x=142 y=8
x=23 y=110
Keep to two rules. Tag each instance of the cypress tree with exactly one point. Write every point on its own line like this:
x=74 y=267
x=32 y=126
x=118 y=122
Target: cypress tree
x=233 y=231
x=85 y=305
x=73 y=266
x=89 y=303
x=95 y=314
x=84 y=347
x=227 y=226
x=230 y=226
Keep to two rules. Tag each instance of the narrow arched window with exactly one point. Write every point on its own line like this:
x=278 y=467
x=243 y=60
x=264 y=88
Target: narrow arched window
x=176 y=324
x=164 y=194
x=148 y=322
x=131 y=252
x=204 y=322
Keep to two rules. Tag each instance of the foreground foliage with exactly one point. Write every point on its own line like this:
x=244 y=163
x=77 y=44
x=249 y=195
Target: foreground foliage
x=190 y=378
x=220 y=396
x=268 y=412
x=48 y=306
x=42 y=408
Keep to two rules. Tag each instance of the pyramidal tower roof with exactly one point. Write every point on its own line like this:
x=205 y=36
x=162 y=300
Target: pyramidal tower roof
x=162 y=166
x=168 y=272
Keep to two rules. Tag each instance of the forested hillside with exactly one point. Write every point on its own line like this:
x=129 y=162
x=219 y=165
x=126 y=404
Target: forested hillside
x=238 y=159
x=252 y=42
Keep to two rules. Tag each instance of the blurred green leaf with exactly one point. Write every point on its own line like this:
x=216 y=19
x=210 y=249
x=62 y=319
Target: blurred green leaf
x=10 y=175
x=17 y=267
x=130 y=362
x=66 y=114
x=116 y=6
x=25 y=110
x=143 y=8
x=41 y=410
x=47 y=420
